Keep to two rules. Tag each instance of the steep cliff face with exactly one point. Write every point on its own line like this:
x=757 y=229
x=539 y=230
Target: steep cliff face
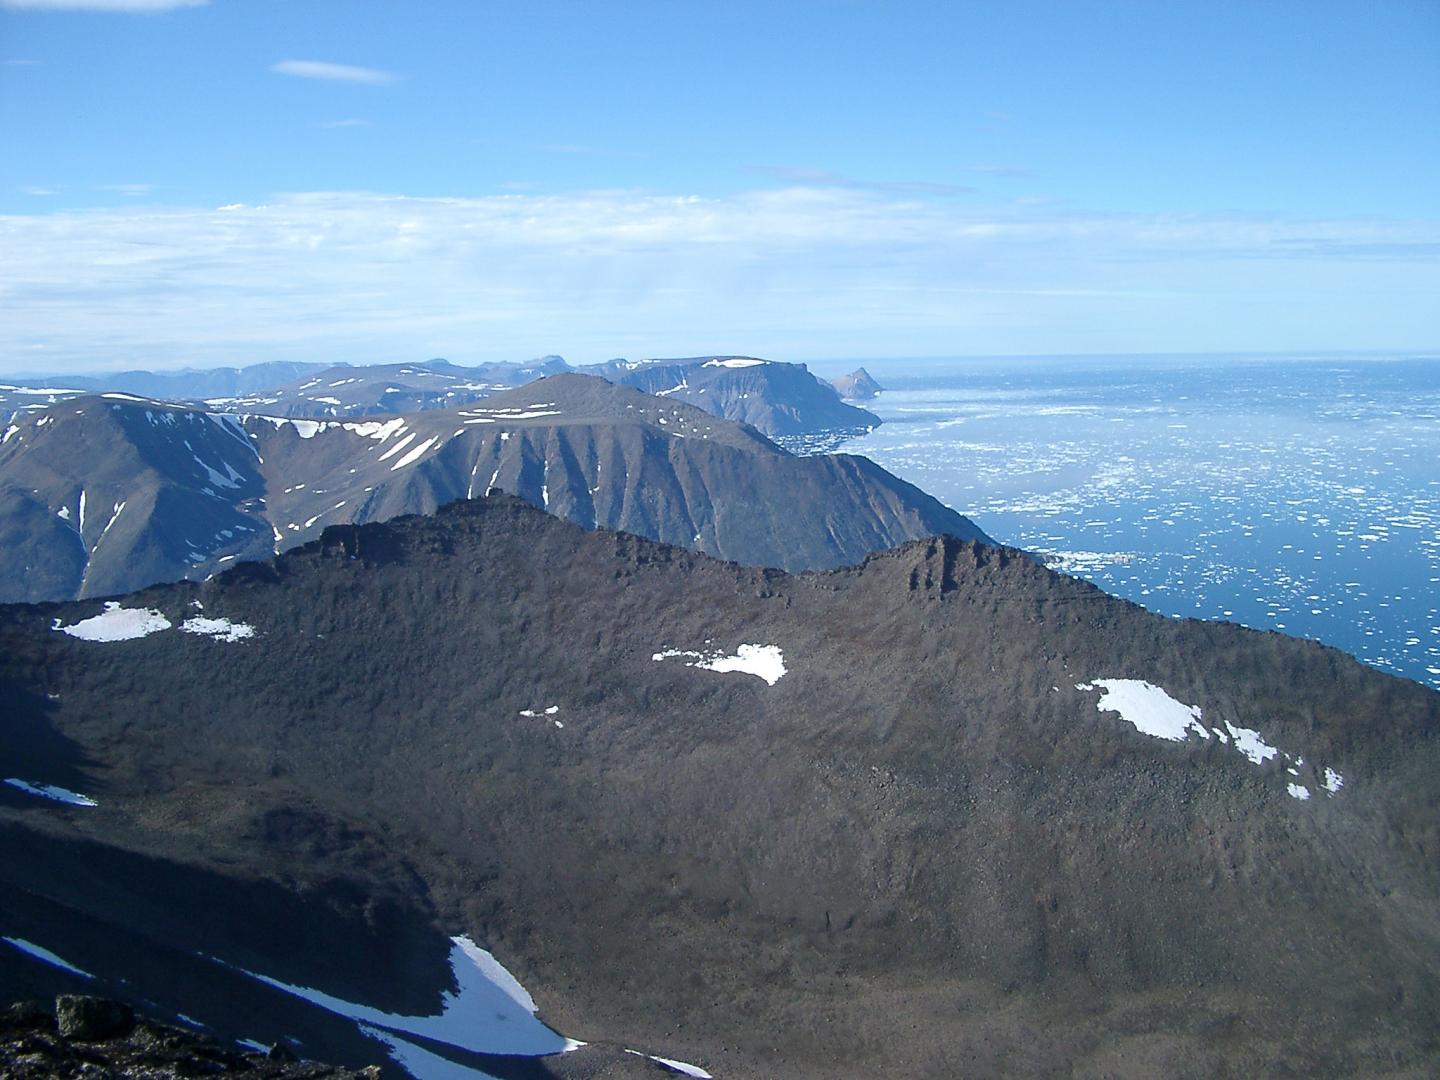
x=772 y=825
x=111 y=493
x=782 y=400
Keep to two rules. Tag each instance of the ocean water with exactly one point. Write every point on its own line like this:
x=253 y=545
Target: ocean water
x=1284 y=493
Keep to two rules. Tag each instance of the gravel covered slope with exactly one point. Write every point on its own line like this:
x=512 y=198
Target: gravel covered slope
x=921 y=850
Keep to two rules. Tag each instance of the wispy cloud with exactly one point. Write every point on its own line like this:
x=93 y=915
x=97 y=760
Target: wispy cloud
x=795 y=272
x=346 y=124
x=319 y=69
x=19 y=63
x=137 y=7
x=130 y=191
x=800 y=174
x=32 y=189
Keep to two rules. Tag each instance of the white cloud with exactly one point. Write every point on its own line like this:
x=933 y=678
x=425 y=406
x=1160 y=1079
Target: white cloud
x=319 y=69
x=794 y=273
x=143 y=7
x=32 y=189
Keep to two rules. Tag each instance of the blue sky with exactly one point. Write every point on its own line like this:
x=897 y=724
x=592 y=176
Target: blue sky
x=245 y=180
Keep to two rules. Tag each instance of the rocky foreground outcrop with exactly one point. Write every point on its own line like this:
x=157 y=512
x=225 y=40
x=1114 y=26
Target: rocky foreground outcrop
x=102 y=1039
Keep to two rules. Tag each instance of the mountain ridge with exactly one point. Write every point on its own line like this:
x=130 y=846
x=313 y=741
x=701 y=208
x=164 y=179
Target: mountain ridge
x=110 y=493
x=927 y=821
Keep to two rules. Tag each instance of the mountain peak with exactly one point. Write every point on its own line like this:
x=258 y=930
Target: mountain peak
x=857 y=386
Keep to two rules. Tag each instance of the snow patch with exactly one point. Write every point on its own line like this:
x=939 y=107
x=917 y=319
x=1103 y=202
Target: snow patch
x=488 y=1013
x=415 y=454
x=219 y=629
x=406 y=441
x=1154 y=712
x=681 y=1067
x=735 y=362
x=1150 y=709
x=379 y=430
x=50 y=791
x=116 y=623
x=45 y=955
x=763 y=661
x=1250 y=744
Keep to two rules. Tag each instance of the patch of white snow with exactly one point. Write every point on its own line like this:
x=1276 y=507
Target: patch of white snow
x=116 y=624
x=50 y=791
x=219 y=629
x=763 y=661
x=45 y=955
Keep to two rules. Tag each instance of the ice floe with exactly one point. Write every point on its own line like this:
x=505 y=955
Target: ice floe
x=763 y=661
x=52 y=792
x=116 y=623
x=219 y=629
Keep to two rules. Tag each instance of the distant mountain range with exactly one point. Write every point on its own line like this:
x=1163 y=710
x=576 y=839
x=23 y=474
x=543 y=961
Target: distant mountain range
x=387 y=389
x=943 y=814
x=109 y=493
x=785 y=401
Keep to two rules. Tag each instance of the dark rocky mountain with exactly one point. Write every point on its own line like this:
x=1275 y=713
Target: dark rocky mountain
x=186 y=384
x=857 y=386
x=947 y=813
x=110 y=493
x=388 y=389
x=785 y=401
x=18 y=401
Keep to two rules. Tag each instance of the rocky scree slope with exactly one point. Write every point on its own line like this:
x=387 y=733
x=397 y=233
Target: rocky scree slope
x=946 y=813
x=112 y=493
